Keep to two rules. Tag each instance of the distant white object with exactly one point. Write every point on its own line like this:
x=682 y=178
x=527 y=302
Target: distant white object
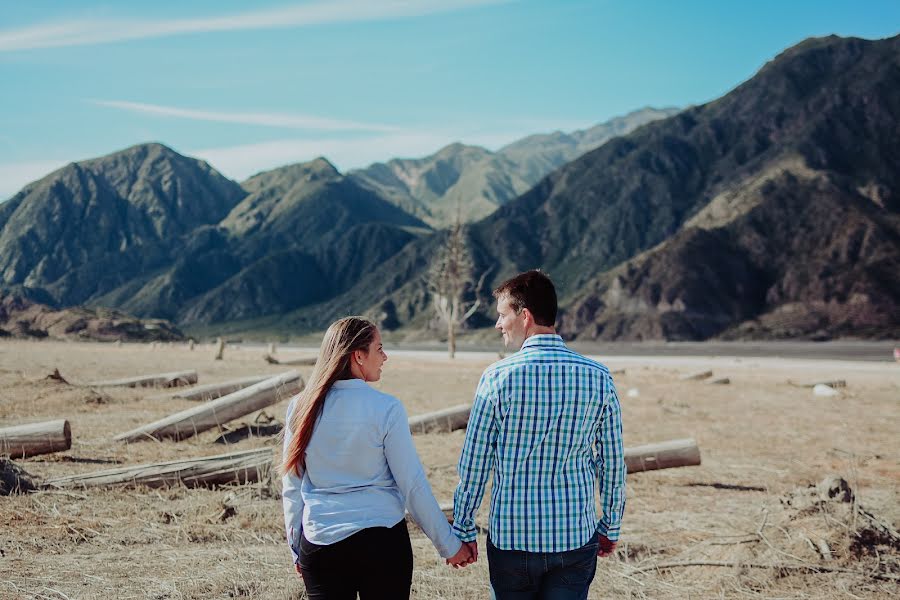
x=633 y=393
x=821 y=389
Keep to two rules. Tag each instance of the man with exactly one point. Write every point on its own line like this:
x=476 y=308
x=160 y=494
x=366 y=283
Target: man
x=546 y=420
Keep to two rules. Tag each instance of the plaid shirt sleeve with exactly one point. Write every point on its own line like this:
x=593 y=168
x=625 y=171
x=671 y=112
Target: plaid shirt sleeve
x=611 y=465
x=475 y=461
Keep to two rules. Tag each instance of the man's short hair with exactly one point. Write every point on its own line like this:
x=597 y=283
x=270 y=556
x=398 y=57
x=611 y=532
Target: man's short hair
x=532 y=290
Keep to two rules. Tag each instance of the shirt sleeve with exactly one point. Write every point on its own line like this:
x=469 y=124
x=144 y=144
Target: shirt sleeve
x=291 y=498
x=475 y=461
x=403 y=460
x=611 y=464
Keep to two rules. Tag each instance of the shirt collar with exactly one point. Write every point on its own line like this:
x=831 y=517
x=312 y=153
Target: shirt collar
x=349 y=384
x=544 y=340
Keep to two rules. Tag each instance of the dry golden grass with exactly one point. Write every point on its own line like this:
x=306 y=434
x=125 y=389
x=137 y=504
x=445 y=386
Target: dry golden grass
x=762 y=440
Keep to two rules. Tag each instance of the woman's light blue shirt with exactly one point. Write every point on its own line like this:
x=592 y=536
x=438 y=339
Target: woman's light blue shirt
x=362 y=470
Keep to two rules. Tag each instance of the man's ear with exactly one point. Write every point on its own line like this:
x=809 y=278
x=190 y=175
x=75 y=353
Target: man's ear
x=528 y=317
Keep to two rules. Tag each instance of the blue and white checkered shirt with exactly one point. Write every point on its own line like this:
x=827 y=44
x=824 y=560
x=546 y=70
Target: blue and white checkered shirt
x=547 y=421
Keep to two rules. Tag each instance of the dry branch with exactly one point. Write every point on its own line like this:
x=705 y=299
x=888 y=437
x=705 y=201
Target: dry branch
x=21 y=441
x=665 y=455
x=175 y=379
x=809 y=567
x=216 y=412
x=237 y=467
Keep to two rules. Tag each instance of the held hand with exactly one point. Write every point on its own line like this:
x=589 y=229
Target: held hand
x=606 y=547
x=298 y=569
x=473 y=548
x=462 y=558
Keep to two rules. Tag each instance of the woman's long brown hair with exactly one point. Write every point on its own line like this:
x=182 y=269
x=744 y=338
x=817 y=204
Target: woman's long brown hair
x=341 y=340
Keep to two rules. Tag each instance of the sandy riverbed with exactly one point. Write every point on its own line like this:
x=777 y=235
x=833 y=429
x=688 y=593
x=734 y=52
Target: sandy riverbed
x=761 y=439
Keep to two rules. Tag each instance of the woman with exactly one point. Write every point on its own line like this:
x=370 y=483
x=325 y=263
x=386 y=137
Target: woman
x=350 y=468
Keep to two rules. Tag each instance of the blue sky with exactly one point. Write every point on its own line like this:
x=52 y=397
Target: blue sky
x=252 y=86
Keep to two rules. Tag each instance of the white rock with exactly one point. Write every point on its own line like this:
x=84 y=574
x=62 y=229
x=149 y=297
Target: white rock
x=820 y=389
x=633 y=393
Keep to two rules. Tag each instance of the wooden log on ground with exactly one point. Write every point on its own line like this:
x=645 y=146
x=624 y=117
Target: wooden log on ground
x=21 y=441
x=238 y=467
x=166 y=380
x=445 y=421
x=216 y=412
x=666 y=455
x=296 y=362
x=696 y=376
x=834 y=383
x=211 y=391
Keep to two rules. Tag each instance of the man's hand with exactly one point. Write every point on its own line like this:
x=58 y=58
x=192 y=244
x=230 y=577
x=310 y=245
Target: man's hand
x=467 y=554
x=298 y=569
x=606 y=547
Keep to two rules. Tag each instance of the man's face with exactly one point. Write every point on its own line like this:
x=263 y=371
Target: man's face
x=510 y=324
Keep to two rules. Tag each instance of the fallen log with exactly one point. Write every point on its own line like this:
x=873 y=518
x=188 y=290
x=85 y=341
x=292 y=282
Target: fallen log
x=696 y=376
x=238 y=467
x=834 y=383
x=216 y=412
x=211 y=391
x=446 y=420
x=665 y=455
x=296 y=362
x=166 y=380
x=21 y=441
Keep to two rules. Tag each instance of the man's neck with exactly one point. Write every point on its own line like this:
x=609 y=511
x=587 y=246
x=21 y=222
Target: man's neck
x=540 y=330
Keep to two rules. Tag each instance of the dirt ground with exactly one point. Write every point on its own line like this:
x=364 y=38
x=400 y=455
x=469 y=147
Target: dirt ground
x=746 y=523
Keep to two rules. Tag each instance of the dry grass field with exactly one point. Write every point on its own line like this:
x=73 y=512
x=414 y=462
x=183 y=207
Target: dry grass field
x=745 y=524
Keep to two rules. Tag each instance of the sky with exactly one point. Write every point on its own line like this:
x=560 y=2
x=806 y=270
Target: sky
x=253 y=86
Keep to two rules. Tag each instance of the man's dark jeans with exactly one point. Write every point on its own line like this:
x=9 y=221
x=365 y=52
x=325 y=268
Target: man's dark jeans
x=517 y=575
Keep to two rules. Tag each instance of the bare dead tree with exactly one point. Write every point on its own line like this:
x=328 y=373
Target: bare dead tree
x=448 y=278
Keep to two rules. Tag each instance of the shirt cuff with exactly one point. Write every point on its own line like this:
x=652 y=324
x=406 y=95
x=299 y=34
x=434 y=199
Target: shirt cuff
x=465 y=534
x=610 y=533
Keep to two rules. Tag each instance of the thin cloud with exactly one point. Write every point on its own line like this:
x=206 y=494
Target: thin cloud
x=105 y=31
x=282 y=120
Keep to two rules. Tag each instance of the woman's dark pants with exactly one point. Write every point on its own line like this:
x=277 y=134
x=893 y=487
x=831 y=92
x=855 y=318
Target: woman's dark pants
x=376 y=562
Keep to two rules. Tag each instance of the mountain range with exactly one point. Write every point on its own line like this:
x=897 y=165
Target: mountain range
x=771 y=212
x=470 y=182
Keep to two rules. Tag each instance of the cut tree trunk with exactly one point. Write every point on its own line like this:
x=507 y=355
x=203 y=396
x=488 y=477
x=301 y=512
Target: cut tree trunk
x=296 y=362
x=175 y=379
x=446 y=420
x=216 y=412
x=665 y=455
x=237 y=467
x=21 y=441
x=697 y=376
x=249 y=466
x=211 y=391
